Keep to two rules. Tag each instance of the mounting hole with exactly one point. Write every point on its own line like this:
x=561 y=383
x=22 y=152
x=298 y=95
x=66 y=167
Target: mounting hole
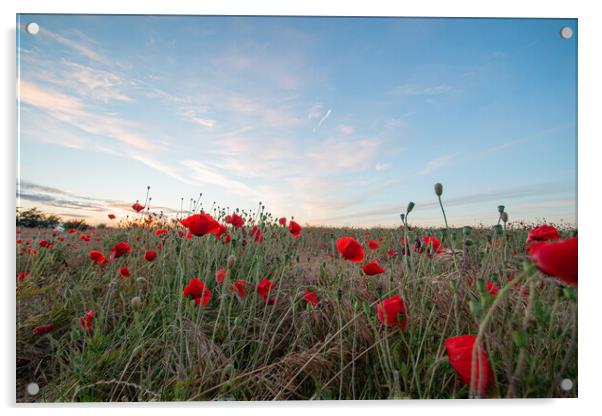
x=33 y=389
x=32 y=28
x=566 y=384
x=566 y=32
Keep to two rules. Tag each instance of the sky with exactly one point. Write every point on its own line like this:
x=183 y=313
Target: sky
x=332 y=121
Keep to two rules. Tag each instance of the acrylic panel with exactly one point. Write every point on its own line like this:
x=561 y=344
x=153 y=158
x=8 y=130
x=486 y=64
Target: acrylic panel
x=260 y=208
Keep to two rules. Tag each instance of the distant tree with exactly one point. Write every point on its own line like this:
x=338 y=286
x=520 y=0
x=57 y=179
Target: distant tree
x=77 y=224
x=33 y=217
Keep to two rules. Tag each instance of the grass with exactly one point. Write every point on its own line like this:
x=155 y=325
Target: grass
x=167 y=348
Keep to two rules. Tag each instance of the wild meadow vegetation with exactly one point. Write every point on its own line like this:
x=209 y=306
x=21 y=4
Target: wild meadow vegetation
x=283 y=312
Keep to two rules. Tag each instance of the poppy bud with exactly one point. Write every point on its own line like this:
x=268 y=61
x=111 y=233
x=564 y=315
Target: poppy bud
x=453 y=284
x=468 y=242
x=498 y=229
x=467 y=230
x=505 y=217
x=231 y=261
x=402 y=215
x=500 y=208
x=136 y=302
x=410 y=207
x=438 y=189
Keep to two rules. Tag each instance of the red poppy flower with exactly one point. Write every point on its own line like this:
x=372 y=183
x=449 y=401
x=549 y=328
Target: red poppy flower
x=137 y=207
x=460 y=353
x=543 y=233
x=514 y=251
x=198 y=291
x=372 y=245
x=71 y=230
x=97 y=256
x=201 y=224
x=350 y=249
x=557 y=259
x=44 y=243
x=294 y=228
x=236 y=220
x=391 y=253
x=162 y=231
x=124 y=272
x=150 y=255
x=42 y=329
x=388 y=312
x=86 y=321
x=222 y=229
x=84 y=237
x=310 y=297
x=372 y=268
x=257 y=234
x=227 y=238
x=22 y=275
x=220 y=275
x=282 y=221
x=431 y=241
x=239 y=288
x=111 y=216
x=492 y=288
x=120 y=249
x=265 y=287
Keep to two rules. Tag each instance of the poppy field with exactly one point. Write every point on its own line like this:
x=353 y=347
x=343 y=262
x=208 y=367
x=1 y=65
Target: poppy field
x=252 y=305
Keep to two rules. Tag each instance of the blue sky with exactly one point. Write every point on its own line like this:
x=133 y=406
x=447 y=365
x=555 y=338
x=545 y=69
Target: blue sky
x=335 y=121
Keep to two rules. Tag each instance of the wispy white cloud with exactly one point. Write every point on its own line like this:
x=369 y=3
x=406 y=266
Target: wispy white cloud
x=315 y=111
x=161 y=167
x=345 y=129
x=409 y=90
x=72 y=110
x=381 y=167
x=82 y=47
x=436 y=164
x=94 y=83
x=204 y=174
x=195 y=117
x=334 y=156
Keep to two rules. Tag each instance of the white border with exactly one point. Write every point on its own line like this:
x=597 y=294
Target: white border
x=590 y=36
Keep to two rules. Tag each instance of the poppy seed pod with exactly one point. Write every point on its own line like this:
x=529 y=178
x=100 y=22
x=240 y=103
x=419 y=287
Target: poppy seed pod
x=411 y=206
x=438 y=189
x=136 y=302
x=501 y=208
x=231 y=261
